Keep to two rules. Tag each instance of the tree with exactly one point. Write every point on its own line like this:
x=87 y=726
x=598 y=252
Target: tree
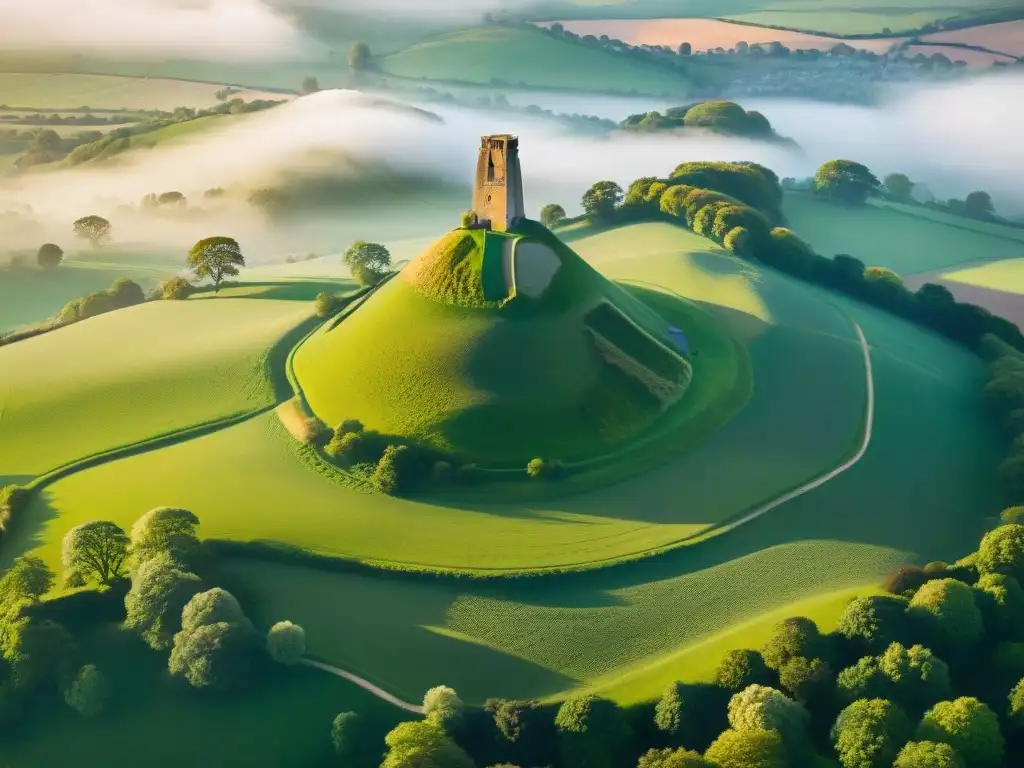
x=39 y=653
x=94 y=550
x=1001 y=602
x=760 y=708
x=369 y=262
x=899 y=186
x=967 y=725
x=917 y=677
x=870 y=733
x=592 y=733
x=741 y=668
x=286 y=643
x=28 y=578
x=347 y=737
x=160 y=590
x=467 y=219
x=325 y=304
x=215 y=258
x=685 y=49
x=545 y=469
x=551 y=214
x=49 y=255
x=883 y=275
x=672 y=758
x=210 y=607
x=1012 y=516
x=1015 y=712
x=864 y=680
x=669 y=711
x=636 y=194
x=978 y=205
x=927 y=754
x=359 y=57
x=796 y=636
x=600 y=200
x=213 y=656
x=845 y=181
x=310 y=85
x=809 y=681
x=95 y=229
x=88 y=692
x=748 y=749
x=423 y=744
x=1002 y=551
x=172 y=198
x=272 y=202
x=388 y=476
x=873 y=623
x=443 y=707
x=948 y=612
x=904 y=579
x=165 y=529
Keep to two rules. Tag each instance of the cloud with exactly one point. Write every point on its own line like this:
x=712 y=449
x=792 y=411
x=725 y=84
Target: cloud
x=207 y=29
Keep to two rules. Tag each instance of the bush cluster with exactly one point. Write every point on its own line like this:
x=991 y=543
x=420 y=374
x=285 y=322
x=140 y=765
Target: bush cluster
x=123 y=293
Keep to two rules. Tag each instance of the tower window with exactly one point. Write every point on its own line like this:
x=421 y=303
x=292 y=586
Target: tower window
x=490 y=167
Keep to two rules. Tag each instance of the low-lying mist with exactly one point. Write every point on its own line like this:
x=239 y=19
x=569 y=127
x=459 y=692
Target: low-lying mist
x=954 y=138
x=210 y=30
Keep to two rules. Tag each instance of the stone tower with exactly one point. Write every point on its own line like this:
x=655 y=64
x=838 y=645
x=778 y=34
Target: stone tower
x=498 y=191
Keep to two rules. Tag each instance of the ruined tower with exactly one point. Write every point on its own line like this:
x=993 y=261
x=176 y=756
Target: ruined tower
x=498 y=191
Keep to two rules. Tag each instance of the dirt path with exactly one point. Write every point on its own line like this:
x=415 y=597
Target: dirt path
x=380 y=693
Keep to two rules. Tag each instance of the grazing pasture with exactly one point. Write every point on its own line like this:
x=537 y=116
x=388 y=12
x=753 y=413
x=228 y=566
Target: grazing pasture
x=1006 y=37
x=74 y=91
x=904 y=239
x=969 y=56
x=525 y=57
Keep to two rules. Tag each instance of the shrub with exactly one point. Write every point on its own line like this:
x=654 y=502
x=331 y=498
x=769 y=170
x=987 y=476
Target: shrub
x=669 y=711
x=350 y=448
x=346 y=737
x=317 y=433
x=176 y=288
x=88 y=692
x=738 y=241
x=385 y=476
x=349 y=426
x=545 y=469
x=286 y=643
x=968 y=726
x=467 y=219
x=324 y=304
x=125 y=293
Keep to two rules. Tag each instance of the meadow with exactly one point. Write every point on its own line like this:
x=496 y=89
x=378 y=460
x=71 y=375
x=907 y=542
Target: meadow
x=528 y=58
x=895 y=238
x=1006 y=276
x=129 y=375
x=1006 y=37
x=48 y=90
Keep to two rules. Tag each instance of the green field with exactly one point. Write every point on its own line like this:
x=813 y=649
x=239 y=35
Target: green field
x=284 y=720
x=1006 y=276
x=29 y=295
x=528 y=58
x=134 y=373
x=50 y=90
x=904 y=239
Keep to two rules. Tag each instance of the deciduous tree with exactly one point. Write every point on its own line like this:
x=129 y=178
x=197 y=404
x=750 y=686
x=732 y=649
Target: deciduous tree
x=741 y=668
x=870 y=733
x=551 y=214
x=748 y=749
x=49 y=255
x=160 y=589
x=88 y=692
x=165 y=529
x=423 y=744
x=846 y=181
x=967 y=725
x=286 y=643
x=928 y=754
x=600 y=201
x=95 y=550
x=95 y=229
x=215 y=258
x=369 y=262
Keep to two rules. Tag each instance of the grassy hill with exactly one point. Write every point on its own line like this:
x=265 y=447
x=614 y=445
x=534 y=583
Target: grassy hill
x=453 y=356
x=529 y=58
x=908 y=240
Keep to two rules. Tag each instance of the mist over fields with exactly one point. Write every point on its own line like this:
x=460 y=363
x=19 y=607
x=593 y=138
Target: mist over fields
x=954 y=138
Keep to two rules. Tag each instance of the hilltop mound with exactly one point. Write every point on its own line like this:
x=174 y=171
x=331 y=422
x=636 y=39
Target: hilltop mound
x=723 y=117
x=498 y=347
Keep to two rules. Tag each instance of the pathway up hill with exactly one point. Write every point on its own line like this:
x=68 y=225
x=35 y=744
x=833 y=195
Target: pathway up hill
x=497 y=347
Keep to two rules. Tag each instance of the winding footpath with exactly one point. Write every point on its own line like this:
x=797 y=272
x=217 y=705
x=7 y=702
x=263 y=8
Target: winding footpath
x=380 y=693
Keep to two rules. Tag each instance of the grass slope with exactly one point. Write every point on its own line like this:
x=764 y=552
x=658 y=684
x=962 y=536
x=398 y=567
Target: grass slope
x=127 y=375
x=528 y=58
x=907 y=240
x=282 y=721
x=1006 y=276
x=30 y=295
x=54 y=90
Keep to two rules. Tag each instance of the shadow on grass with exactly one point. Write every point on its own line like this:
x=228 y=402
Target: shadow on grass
x=27 y=530
x=296 y=289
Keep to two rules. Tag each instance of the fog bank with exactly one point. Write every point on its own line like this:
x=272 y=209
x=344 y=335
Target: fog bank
x=211 y=30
